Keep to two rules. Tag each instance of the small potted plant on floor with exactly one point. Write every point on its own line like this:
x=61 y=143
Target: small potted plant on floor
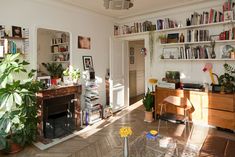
x=55 y=70
x=148 y=102
x=18 y=109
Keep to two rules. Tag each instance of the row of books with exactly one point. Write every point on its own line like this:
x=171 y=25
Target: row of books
x=196 y=35
x=228 y=5
x=136 y=28
x=166 y=24
x=227 y=35
x=12 y=47
x=198 y=52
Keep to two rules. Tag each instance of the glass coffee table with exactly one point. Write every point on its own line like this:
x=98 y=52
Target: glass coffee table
x=144 y=147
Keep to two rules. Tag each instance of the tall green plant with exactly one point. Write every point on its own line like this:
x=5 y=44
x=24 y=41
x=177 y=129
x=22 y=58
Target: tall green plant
x=148 y=101
x=18 y=109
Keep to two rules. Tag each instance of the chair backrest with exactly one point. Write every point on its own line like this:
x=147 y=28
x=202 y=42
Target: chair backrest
x=181 y=102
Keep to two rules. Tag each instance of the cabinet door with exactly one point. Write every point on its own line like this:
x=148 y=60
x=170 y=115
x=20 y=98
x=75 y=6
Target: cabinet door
x=196 y=100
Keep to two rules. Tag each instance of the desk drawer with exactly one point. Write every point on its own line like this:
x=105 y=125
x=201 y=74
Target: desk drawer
x=218 y=118
x=219 y=101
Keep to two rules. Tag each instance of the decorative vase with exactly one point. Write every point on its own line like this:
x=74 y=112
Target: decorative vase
x=126 y=148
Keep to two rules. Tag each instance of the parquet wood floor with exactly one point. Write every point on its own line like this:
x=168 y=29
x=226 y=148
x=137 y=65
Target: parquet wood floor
x=107 y=141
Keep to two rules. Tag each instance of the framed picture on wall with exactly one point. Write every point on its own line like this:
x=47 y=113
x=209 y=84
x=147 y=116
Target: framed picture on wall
x=84 y=42
x=132 y=51
x=16 y=31
x=132 y=59
x=87 y=62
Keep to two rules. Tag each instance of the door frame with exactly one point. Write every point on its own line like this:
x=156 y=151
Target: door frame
x=147 y=60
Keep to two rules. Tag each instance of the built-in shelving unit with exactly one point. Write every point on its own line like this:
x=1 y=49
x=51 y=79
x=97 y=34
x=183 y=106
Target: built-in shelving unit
x=197 y=26
x=60 y=50
x=13 y=39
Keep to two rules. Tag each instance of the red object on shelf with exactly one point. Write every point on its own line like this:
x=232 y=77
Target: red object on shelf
x=54 y=81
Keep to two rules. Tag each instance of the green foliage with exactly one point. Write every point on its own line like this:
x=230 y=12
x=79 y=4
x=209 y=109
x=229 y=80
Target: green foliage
x=227 y=80
x=18 y=109
x=74 y=73
x=55 y=70
x=148 y=101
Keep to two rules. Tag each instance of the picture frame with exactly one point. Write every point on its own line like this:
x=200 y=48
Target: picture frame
x=16 y=32
x=132 y=51
x=46 y=81
x=132 y=59
x=171 y=53
x=87 y=62
x=84 y=42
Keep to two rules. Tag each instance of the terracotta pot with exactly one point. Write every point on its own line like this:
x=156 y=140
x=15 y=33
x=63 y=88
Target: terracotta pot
x=13 y=148
x=148 y=116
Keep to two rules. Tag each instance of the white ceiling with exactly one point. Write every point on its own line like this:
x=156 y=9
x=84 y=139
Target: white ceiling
x=140 y=6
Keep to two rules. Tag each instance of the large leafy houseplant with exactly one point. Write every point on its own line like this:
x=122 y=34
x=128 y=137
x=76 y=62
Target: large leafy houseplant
x=18 y=109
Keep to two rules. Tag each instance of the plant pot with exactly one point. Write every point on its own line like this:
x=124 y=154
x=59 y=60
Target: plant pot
x=148 y=116
x=13 y=147
x=163 y=40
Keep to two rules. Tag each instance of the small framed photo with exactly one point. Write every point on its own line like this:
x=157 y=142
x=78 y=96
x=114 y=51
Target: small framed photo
x=16 y=32
x=228 y=15
x=171 y=53
x=87 y=62
x=132 y=51
x=132 y=59
x=46 y=81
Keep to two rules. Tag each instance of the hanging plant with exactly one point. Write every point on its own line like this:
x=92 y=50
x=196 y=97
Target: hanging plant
x=151 y=39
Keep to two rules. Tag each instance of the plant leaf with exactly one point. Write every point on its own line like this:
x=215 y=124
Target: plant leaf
x=17 y=98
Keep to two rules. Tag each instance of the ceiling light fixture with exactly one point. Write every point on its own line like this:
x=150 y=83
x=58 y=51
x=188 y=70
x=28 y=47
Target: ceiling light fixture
x=118 y=4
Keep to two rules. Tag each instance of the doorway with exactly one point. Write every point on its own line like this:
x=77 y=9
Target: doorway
x=136 y=71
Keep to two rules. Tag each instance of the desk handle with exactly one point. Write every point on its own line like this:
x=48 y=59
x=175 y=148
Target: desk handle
x=74 y=100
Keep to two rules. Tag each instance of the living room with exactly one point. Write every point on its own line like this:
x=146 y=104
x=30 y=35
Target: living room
x=188 y=51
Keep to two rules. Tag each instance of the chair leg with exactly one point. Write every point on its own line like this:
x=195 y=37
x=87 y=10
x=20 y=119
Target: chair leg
x=159 y=119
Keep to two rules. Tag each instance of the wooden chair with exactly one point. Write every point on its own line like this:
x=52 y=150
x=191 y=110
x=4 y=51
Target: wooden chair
x=179 y=102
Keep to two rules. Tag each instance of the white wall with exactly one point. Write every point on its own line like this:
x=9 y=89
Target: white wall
x=191 y=70
x=35 y=14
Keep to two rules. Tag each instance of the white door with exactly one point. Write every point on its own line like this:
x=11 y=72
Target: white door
x=118 y=75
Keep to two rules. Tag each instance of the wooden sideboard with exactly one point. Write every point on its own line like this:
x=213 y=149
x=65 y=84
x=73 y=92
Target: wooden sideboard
x=209 y=108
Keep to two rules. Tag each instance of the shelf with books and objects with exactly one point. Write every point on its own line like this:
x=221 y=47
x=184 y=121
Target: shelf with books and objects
x=60 y=48
x=138 y=28
x=92 y=112
x=196 y=41
x=14 y=39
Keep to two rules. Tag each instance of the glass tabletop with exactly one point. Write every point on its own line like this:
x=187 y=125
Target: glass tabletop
x=161 y=146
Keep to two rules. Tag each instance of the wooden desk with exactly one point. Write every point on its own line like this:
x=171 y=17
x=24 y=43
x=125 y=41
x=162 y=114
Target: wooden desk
x=210 y=108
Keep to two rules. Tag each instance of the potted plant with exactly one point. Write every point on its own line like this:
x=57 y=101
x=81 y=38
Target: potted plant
x=163 y=38
x=148 y=102
x=71 y=74
x=55 y=70
x=18 y=109
x=226 y=80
